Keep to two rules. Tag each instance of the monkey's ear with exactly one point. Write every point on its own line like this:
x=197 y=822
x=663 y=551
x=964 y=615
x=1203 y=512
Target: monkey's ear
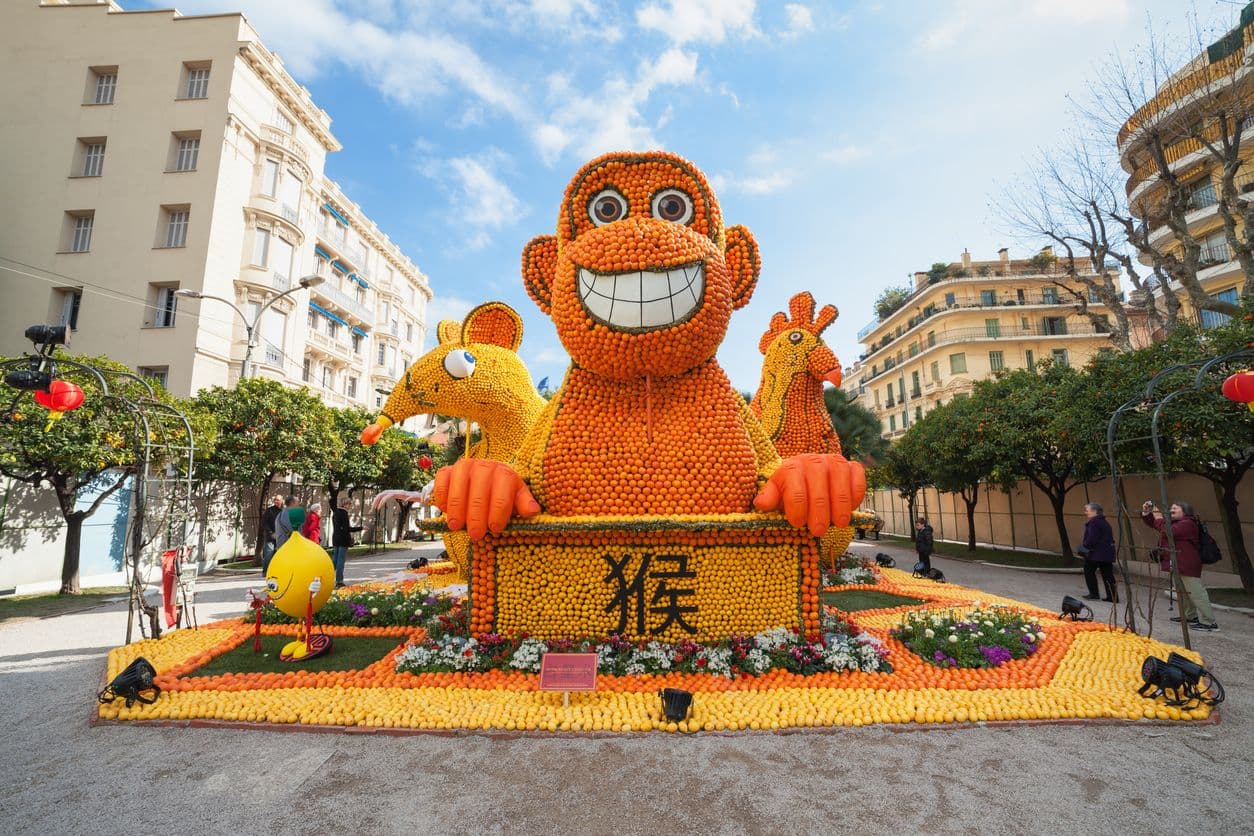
x=743 y=262
x=539 y=269
x=493 y=322
x=448 y=331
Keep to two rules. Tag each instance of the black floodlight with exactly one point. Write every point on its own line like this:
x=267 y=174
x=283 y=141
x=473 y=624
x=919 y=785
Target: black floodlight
x=1075 y=609
x=48 y=334
x=130 y=683
x=1200 y=683
x=884 y=560
x=675 y=703
x=1160 y=678
x=29 y=380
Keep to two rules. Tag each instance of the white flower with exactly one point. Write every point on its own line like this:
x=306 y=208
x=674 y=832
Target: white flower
x=1029 y=637
x=374 y=610
x=1041 y=636
x=988 y=623
x=929 y=633
x=953 y=639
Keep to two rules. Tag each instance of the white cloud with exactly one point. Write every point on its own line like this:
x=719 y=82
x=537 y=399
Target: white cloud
x=612 y=117
x=800 y=20
x=443 y=306
x=700 y=21
x=846 y=154
x=760 y=184
x=479 y=201
x=993 y=20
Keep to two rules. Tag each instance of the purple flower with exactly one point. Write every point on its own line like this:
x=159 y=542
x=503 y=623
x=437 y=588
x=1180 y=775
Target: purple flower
x=429 y=600
x=359 y=611
x=994 y=655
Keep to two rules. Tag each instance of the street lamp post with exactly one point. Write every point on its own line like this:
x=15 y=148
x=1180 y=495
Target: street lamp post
x=250 y=328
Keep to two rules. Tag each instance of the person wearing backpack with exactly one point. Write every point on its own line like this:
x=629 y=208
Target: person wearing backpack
x=924 y=545
x=1186 y=530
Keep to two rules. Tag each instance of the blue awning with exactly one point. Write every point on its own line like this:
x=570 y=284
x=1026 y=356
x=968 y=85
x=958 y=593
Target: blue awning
x=359 y=280
x=359 y=332
x=337 y=215
x=321 y=253
x=335 y=265
x=328 y=314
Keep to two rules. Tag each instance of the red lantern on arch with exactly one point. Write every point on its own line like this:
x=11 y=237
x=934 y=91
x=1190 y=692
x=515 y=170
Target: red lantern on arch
x=1239 y=387
x=61 y=397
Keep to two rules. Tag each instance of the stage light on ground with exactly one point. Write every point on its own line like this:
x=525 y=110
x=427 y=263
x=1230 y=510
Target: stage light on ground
x=675 y=703
x=1199 y=682
x=1075 y=609
x=130 y=683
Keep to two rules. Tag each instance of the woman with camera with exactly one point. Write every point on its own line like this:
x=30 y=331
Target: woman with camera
x=1098 y=551
x=1194 y=602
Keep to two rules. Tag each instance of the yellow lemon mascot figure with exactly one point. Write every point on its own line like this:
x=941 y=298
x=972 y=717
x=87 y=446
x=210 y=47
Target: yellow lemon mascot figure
x=300 y=581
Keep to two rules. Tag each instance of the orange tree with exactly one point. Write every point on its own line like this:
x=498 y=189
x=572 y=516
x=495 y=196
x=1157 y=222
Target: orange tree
x=1048 y=426
x=955 y=449
x=266 y=430
x=89 y=454
x=902 y=468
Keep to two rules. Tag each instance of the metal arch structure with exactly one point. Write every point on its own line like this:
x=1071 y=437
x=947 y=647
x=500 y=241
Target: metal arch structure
x=154 y=427
x=1153 y=399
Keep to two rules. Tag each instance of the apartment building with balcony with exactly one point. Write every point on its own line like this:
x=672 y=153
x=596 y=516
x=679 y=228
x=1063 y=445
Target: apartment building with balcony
x=1217 y=84
x=153 y=155
x=960 y=328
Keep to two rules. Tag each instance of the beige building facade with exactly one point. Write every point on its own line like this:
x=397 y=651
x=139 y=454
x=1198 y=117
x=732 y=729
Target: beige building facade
x=155 y=158
x=962 y=326
x=1216 y=86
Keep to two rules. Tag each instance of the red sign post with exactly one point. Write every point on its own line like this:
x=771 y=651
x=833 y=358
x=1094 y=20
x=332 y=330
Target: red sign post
x=568 y=672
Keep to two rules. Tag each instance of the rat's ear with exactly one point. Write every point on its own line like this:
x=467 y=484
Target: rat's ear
x=448 y=331
x=743 y=262
x=539 y=269
x=493 y=322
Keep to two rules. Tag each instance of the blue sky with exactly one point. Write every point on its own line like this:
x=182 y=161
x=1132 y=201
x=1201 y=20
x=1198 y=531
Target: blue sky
x=859 y=141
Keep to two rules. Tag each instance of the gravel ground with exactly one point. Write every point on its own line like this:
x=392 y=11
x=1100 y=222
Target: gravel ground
x=61 y=775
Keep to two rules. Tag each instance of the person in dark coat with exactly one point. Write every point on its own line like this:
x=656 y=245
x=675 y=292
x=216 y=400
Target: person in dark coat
x=341 y=538
x=1098 y=551
x=923 y=543
x=1194 y=600
x=267 y=527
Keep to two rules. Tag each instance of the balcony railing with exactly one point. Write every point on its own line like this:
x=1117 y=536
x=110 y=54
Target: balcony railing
x=278 y=281
x=1181 y=87
x=274 y=356
x=1213 y=254
x=337 y=237
x=344 y=302
x=284 y=140
x=974 y=303
x=960 y=335
x=290 y=213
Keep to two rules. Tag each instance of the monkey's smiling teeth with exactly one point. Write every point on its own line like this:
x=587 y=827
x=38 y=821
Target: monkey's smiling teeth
x=642 y=299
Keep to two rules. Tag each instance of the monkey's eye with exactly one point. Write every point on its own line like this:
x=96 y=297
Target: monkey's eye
x=459 y=363
x=272 y=584
x=672 y=205
x=795 y=337
x=607 y=206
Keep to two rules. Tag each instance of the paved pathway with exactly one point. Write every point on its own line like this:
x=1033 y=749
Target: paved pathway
x=60 y=775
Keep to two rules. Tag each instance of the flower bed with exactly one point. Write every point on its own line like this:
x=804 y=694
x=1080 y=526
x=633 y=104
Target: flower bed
x=407 y=604
x=980 y=638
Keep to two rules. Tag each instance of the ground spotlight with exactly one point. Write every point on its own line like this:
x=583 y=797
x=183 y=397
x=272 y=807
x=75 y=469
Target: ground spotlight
x=1163 y=679
x=675 y=703
x=129 y=684
x=1199 y=682
x=1075 y=609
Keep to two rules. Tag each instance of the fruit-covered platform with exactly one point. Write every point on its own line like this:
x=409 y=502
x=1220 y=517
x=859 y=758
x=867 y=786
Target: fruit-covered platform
x=1075 y=671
